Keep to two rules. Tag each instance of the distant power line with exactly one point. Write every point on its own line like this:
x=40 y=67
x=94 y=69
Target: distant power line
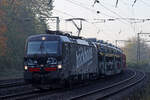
x=116 y=4
x=89 y=9
x=132 y=20
x=113 y=12
x=65 y=13
x=148 y=5
x=81 y=5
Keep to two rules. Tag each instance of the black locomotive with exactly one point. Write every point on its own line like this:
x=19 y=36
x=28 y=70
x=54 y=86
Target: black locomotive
x=57 y=58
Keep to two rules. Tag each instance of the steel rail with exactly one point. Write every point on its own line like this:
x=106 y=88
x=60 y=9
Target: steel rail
x=7 y=85
x=11 y=84
x=105 y=88
x=18 y=94
x=36 y=93
x=31 y=94
x=123 y=88
x=8 y=80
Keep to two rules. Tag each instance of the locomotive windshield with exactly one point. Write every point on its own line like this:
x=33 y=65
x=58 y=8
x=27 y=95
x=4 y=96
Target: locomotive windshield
x=42 y=47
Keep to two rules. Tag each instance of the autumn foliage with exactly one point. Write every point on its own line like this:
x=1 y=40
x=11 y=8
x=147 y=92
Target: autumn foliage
x=3 y=30
x=3 y=40
x=14 y=29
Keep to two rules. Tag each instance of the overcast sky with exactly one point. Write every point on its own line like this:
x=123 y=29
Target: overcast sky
x=119 y=29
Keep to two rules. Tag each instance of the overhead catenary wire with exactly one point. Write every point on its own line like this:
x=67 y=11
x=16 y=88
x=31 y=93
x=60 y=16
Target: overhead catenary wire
x=89 y=9
x=119 y=19
x=113 y=13
x=100 y=12
x=71 y=15
x=148 y=5
x=109 y=19
x=96 y=1
x=62 y=12
x=67 y=14
x=75 y=3
x=123 y=2
x=123 y=18
x=86 y=7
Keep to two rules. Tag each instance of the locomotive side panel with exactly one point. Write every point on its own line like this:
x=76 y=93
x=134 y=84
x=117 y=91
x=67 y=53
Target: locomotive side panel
x=86 y=59
x=79 y=59
x=68 y=59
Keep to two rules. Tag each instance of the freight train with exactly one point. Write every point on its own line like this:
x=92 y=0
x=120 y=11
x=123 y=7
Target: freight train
x=57 y=58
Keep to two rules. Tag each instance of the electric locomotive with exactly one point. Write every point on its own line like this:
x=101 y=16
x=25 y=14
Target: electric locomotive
x=58 y=58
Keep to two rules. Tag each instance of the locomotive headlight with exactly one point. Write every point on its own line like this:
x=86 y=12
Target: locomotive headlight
x=59 y=66
x=43 y=38
x=26 y=67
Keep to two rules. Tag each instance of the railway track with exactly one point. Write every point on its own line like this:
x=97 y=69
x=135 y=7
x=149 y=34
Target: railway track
x=58 y=94
x=30 y=94
x=102 y=93
x=19 y=95
x=12 y=88
x=68 y=95
x=12 y=84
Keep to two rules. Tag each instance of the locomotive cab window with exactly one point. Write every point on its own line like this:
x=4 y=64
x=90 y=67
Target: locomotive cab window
x=42 y=47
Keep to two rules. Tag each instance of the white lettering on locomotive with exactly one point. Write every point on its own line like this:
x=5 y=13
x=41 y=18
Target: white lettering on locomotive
x=83 y=55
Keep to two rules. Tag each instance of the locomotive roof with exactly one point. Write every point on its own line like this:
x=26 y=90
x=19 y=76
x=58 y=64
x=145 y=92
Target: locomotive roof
x=66 y=37
x=39 y=37
x=63 y=38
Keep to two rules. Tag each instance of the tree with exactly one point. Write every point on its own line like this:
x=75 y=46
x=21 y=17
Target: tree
x=131 y=51
x=15 y=28
x=41 y=8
